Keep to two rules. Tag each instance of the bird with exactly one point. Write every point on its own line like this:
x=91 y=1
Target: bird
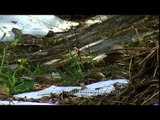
x=114 y=54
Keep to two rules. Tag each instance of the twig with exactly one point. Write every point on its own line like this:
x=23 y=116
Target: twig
x=130 y=64
x=155 y=71
x=150 y=98
x=146 y=57
x=113 y=102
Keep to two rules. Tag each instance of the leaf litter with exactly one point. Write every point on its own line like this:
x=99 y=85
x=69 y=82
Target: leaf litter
x=136 y=60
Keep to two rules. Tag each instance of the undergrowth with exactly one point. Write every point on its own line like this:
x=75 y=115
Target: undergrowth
x=18 y=78
x=21 y=76
x=77 y=70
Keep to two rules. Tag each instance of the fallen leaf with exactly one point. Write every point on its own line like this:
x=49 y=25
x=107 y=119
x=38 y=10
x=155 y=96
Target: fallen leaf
x=4 y=92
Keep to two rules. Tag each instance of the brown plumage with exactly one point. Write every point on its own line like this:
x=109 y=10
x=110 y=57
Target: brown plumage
x=114 y=54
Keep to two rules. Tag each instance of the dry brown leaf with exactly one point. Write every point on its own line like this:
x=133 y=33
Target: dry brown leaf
x=4 y=92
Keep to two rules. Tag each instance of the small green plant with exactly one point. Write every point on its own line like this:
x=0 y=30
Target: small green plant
x=36 y=70
x=90 y=55
x=15 y=42
x=14 y=78
x=77 y=69
x=16 y=84
x=18 y=35
x=76 y=65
